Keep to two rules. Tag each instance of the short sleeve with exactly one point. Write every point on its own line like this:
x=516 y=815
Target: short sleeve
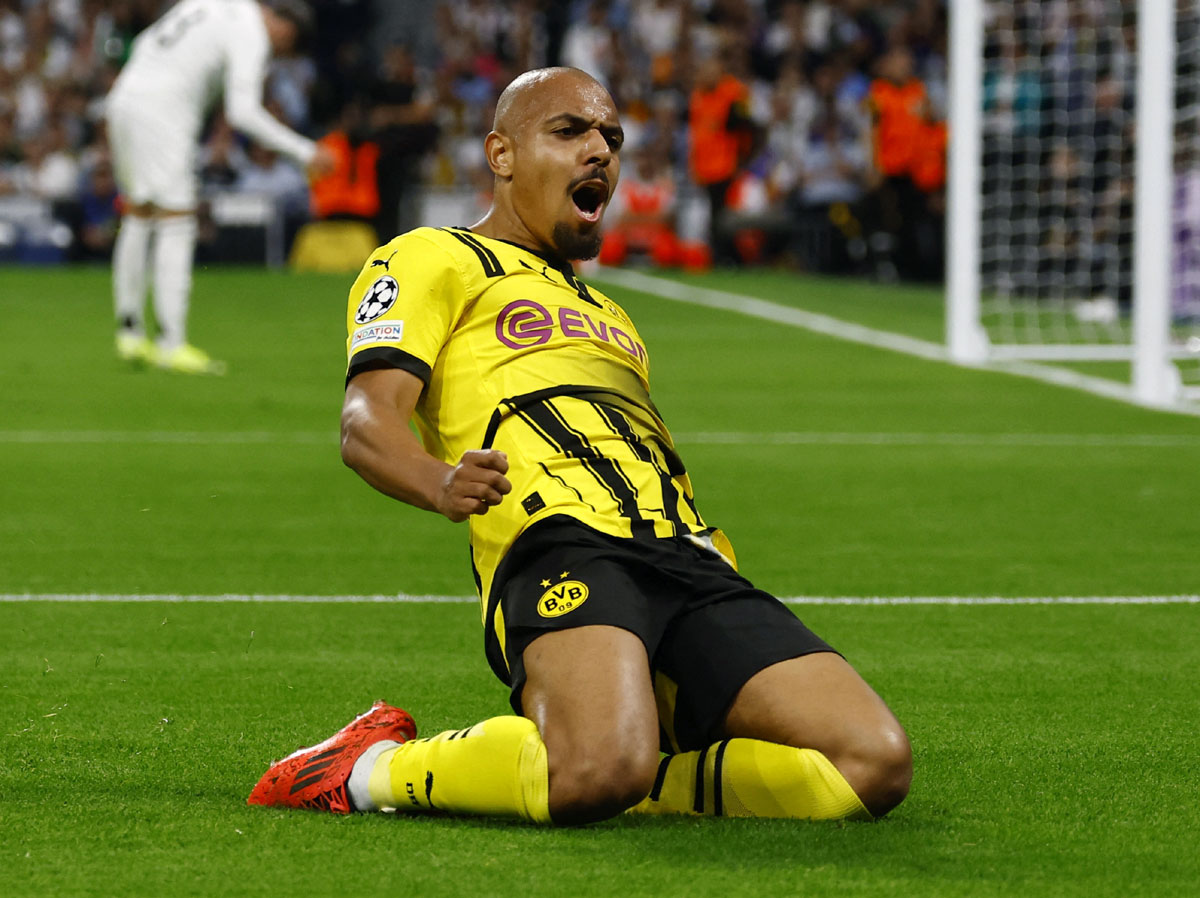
x=402 y=307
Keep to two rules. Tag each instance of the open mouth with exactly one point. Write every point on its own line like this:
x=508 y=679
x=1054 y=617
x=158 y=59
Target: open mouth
x=589 y=198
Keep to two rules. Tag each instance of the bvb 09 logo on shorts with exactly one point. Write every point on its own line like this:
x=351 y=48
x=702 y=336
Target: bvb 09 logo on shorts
x=561 y=598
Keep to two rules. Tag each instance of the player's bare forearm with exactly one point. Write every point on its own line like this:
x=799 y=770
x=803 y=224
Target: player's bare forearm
x=381 y=449
x=378 y=444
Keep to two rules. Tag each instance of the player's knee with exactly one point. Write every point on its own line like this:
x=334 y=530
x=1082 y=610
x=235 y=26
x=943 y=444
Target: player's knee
x=881 y=770
x=597 y=784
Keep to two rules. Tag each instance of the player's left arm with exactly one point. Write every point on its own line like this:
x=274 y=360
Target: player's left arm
x=248 y=54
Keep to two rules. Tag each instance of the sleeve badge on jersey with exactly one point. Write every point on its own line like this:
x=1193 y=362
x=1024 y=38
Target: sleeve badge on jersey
x=380 y=297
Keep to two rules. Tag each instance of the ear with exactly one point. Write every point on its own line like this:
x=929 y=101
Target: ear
x=499 y=152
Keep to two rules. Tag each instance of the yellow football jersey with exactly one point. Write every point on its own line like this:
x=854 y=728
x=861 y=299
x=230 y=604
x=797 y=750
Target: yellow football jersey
x=519 y=355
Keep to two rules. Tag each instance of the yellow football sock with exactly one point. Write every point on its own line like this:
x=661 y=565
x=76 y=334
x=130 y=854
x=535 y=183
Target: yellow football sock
x=497 y=767
x=752 y=778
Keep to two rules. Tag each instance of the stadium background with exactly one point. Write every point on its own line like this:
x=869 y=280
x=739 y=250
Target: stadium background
x=191 y=584
x=417 y=86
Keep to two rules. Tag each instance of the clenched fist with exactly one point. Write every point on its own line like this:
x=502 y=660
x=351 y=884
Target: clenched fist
x=475 y=484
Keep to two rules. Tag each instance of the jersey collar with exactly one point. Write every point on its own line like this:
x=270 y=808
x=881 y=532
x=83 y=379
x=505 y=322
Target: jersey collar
x=557 y=264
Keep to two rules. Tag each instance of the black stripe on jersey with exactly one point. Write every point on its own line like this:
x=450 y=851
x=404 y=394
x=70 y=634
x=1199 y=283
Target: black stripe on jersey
x=674 y=462
x=606 y=471
x=698 y=804
x=567 y=486
x=553 y=436
x=491 y=265
x=573 y=282
x=580 y=288
x=513 y=404
x=562 y=266
x=545 y=419
x=619 y=425
x=568 y=275
x=583 y=439
x=718 y=765
x=387 y=357
x=474 y=569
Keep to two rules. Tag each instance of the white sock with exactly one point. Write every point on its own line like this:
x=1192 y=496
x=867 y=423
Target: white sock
x=360 y=775
x=175 y=241
x=131 y=258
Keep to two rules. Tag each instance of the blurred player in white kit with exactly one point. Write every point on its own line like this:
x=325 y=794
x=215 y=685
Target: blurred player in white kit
x=155 y=111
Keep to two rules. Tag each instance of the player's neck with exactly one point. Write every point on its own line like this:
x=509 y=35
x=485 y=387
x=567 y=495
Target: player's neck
x=503 y=224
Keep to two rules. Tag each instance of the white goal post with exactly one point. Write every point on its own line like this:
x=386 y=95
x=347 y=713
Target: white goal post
x=1063 y=176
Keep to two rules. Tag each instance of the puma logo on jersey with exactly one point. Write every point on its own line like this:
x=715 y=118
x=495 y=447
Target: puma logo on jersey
x=384 y=262
x=542 y=272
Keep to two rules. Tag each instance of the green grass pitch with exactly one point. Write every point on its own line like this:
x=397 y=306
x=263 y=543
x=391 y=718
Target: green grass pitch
x=1056 y=745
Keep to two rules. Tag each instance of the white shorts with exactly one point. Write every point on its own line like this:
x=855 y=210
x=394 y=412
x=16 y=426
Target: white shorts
x=153 y=156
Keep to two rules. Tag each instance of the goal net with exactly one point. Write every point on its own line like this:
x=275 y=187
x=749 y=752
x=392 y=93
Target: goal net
x=1050 y=113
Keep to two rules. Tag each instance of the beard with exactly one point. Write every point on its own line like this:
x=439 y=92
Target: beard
x=577 y=246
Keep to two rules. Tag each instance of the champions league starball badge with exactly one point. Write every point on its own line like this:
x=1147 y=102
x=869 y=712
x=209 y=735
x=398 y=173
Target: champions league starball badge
x=380 y=297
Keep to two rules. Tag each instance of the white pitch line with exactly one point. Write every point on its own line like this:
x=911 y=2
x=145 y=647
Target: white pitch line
x=406 y=599
x=992 y=600
x=85 y=597
x=772 y=311
x=1038 y=440
x=701 y=438
x=869 y=336
x=177 y=437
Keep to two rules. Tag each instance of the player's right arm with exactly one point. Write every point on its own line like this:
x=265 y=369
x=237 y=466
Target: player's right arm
x=401 y=311
x=378 y=444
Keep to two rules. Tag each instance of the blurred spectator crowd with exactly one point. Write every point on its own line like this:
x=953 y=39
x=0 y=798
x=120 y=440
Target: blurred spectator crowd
x=1059 y=137
x=808 y=133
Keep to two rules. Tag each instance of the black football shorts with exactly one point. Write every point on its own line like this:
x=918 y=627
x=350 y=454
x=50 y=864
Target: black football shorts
x=707 y=630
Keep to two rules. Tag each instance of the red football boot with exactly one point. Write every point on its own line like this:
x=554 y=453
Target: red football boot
x=316 y=777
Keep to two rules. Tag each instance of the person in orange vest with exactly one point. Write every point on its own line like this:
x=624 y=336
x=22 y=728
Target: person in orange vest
x=907 y=150
x=645 y=221
x=721 y=135
x=899 y=110
x=929 y=159
x=351 y=189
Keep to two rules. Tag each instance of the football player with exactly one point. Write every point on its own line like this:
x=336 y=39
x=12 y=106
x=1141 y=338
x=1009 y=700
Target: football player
x=156 y=109
x=611 y=608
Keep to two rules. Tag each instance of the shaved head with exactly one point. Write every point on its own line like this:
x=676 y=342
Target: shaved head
x=529 y=93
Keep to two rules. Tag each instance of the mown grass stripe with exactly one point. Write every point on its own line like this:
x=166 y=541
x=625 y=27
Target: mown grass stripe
x=841 y=329
x=704 y=438
x=404 y=598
